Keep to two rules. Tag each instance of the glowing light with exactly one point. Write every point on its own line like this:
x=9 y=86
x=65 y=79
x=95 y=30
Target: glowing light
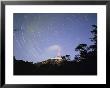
x=40 y=36
x=59 y=51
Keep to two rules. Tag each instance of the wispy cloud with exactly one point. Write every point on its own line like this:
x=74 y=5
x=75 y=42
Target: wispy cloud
x=53 y=47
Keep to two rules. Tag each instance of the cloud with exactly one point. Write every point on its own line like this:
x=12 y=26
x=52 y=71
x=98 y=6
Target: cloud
x=53 y=47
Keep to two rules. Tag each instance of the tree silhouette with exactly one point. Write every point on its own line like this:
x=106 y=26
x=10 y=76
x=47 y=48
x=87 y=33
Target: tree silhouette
x=86 y=51
x=64 y=58
x=82 y=48
x=94 y=34
x=93 y=48
x=68 y=57
x=77 y=58
x=94 y=38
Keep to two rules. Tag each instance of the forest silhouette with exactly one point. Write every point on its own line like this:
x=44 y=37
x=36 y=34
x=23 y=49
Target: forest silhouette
x=85 y=63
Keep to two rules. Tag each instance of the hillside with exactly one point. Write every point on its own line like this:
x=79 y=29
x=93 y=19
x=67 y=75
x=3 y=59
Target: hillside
x=55 y=67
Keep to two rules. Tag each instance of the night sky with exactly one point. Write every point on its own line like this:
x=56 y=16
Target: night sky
x=39 y=36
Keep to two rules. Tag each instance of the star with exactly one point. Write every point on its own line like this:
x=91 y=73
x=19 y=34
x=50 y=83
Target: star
x=35 y=32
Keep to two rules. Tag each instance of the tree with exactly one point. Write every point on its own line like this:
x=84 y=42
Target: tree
x=93 y=48
x=77 y=58
x=67 y=57
x=88 y=51
x=94 y=34
x=64 y=58
x=82 y=48
x=94 y=39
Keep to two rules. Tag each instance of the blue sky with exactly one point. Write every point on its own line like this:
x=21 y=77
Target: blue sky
x=38 y=36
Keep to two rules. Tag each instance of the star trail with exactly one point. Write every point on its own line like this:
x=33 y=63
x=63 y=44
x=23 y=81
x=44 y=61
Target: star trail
x=36 y=36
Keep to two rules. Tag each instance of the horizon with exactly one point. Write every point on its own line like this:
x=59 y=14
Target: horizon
x=38 y=36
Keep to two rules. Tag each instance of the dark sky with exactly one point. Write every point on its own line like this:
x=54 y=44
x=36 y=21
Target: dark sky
x=39 y=36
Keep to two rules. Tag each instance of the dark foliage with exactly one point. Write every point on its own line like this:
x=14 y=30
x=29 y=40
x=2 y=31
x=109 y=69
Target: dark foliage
x=88 y=52
x=83 y=67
